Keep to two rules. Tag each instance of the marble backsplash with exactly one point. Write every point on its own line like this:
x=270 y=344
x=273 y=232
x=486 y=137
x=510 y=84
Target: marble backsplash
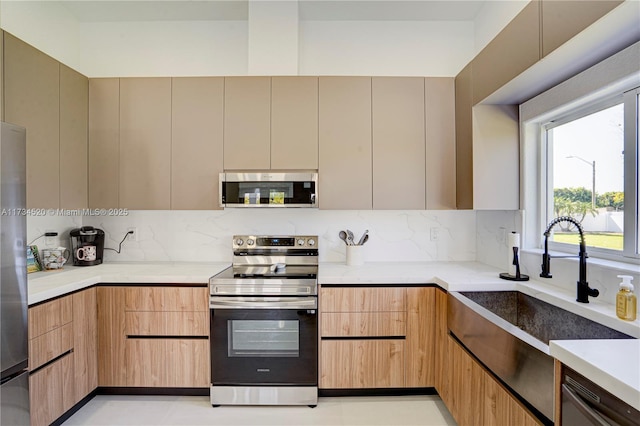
x=395 y=236
x=206 y=235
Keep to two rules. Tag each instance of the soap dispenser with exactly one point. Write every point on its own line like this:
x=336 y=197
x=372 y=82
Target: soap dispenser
x=626 y=302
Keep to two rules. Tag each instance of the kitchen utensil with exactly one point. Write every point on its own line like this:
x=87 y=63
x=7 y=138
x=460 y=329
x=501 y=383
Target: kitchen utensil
x=364 y=240
x=343 y=237
x=361 y=242
x=350 y=238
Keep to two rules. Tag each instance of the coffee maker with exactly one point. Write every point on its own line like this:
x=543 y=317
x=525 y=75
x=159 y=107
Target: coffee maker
x=87 y=246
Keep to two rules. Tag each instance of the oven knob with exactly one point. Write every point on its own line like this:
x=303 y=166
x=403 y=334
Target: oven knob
x=250 y=242
x=300 y=242
x=239 y=241
x=311 y=242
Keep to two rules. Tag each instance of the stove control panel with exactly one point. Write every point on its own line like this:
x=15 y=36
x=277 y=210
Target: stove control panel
x=275 y=241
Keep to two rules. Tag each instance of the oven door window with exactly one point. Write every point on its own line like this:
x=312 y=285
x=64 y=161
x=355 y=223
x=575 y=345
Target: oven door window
x=263 y=338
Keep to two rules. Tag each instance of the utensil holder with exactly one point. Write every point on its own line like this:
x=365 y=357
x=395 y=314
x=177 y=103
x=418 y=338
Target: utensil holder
x=355 y=256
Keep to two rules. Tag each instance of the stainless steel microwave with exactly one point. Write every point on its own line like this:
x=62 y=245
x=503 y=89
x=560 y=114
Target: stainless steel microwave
x=268 y=189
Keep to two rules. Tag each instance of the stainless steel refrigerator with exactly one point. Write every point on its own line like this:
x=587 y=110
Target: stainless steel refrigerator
x=14 y=385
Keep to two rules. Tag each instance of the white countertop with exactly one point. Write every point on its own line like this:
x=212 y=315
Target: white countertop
x=612 y=364
x=49 y=284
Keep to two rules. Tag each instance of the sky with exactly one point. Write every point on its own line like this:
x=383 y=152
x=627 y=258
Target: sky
x=597 y=137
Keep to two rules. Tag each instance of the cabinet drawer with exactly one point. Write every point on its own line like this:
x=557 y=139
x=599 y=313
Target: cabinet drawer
x=353 y=364
x=51 y=391
x=46 y=347
x=167 y=299
x=362 y=299
x=49 y=316
x=168 y=362
x=344 y=324
x=167 y=323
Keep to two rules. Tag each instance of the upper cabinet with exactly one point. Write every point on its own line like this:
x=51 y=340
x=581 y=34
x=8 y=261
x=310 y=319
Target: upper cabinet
x=440 y=113
x=32 y=100
x=197 y=116
x=345 y=152
x=145 y=143
x=50 y=100
x=294 y=123
x=74 y=116
x=104 y=142
x=247 y=123
x=561 y=20
x=464 y=139
x=398 y=143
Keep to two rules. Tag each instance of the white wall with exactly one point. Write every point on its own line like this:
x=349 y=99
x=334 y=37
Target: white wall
x=410 y=48
x=163 y=48
x=45 y=25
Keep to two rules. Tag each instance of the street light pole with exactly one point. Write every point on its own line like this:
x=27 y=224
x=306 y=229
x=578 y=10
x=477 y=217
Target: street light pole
x=593 y=183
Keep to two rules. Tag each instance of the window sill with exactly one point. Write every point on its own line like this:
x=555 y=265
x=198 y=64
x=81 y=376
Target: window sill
x=623 y=267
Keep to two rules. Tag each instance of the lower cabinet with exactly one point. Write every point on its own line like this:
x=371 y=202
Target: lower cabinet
x=475 y=397
x=376 y=337
x=51 y=391
x=62 y=354
x=153 y=336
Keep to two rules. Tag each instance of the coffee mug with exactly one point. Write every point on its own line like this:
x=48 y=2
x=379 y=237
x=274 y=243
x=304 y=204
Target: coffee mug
x=55 y=258
x=86 y=253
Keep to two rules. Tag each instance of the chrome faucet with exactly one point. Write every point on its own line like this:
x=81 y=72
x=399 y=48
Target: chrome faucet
x=583 y=286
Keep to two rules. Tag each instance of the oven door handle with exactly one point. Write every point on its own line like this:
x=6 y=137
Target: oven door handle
x=263 y=303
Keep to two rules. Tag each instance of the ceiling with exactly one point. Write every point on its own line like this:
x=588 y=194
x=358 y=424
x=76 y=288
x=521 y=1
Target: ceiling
x=308 y=10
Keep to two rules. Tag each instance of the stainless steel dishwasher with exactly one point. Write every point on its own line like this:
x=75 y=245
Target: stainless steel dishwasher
x=585 y=403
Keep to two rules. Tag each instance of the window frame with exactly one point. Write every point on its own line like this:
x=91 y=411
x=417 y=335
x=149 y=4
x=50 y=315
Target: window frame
x=629 y=97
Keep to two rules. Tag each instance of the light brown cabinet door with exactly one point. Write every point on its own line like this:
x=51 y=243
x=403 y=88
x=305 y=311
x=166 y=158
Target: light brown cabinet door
x=294 y=123
x=197 y=119
x=49 y=316
x=441 y=340
x=112 y=369
x=464 y=139
x=74 y=116
x=51 y=391
x=168 y=362
x=32 y=100
x=399 y=167
x=362 y=299
x=561 y=20
x=50 y=345
x=347 y=364
x=515 y=48
x=357 y=324
x=345 y=148
x=167 y=298
x=145 y=143
x=247 y=123
x=467 y=386
x=440 y=143
x=104 y=142
x=420 y=337
x=85 y=342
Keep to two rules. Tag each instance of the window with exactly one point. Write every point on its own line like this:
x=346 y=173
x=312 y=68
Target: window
x=592 y=175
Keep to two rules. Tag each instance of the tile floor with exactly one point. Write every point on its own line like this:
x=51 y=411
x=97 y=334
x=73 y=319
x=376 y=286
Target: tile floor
x=424 y=410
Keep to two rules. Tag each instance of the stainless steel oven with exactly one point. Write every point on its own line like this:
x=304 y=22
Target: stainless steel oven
x=264 y=326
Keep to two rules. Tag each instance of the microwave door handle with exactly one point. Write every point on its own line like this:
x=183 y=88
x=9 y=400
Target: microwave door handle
x=582 y=407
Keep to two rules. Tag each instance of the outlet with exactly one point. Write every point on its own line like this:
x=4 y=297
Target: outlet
x=134 y=236
x=434 y=233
